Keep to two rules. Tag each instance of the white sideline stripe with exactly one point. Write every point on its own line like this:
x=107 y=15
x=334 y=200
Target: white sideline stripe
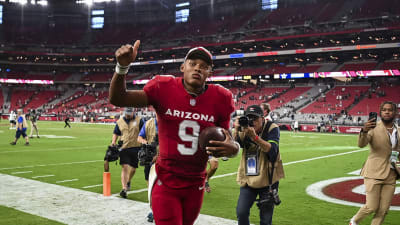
x=92 y=186
x=355 y=172
x=323 y=157
x=78 y=207
x=300 y=161
x=132 y=192
x=53 y=164
x=223 y=175
x=64 y=181
x=48 y=175
x=21 y=172
x=294 y=162
x=55 y=149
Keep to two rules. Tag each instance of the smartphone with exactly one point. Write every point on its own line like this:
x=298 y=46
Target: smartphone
x=373 y=115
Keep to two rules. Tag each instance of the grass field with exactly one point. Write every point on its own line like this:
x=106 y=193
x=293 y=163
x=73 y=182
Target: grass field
x=73 y=157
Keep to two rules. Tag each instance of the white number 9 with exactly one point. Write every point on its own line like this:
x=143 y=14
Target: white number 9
x=194 y=138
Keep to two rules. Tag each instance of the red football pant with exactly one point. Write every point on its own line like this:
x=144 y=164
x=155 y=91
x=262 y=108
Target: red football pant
x=176 y=206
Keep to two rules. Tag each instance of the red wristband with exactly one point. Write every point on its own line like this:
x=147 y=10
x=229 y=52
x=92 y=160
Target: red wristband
x=256 y=138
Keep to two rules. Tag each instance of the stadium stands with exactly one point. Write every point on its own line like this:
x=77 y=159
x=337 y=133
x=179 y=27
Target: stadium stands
x=38 y=99
x=81 y=60
x=358 y=66
x=335 y=100
x=20 y=98
x=389 y=65
x=374 y=98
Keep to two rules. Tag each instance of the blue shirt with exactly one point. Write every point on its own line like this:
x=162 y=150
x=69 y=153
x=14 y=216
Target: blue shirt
x=21 y=121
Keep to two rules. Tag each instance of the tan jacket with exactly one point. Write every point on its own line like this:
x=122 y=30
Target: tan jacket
x=262 y=179
x=129 y=132
x=377 y=165
x=150 y=130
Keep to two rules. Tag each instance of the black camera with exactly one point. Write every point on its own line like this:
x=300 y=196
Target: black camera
x=146 y=153
x=245 y=121
x=268 y=198
x=112 y=154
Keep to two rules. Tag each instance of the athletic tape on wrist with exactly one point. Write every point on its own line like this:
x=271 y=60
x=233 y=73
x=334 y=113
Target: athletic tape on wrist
x=121 y=70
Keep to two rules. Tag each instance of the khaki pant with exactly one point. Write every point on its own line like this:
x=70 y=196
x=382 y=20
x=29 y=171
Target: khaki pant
x=379 y=194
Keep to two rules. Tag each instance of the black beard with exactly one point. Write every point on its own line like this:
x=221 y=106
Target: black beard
x=387 y=121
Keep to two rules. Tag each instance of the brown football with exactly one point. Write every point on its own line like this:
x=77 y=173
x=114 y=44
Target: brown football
x=210 y=134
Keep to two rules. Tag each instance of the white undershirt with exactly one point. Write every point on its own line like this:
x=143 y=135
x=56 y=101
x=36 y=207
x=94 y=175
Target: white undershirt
x=393 y=137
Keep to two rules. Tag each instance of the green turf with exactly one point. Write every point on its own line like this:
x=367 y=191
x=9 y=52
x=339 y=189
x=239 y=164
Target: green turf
x=81 y=158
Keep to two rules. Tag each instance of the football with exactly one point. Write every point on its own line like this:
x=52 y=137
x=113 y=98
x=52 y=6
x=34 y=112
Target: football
x=210 y=134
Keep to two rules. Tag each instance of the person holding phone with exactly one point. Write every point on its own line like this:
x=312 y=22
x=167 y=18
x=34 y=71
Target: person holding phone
x=378 y=171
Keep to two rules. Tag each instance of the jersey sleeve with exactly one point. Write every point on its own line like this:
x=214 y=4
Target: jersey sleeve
x=225 y=118
x=156 y=87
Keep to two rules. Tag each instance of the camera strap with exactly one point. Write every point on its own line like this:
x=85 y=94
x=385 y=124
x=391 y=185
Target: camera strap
x=270 y=174
x=267 y=125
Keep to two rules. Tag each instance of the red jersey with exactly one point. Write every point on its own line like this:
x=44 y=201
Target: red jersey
x=181 y=118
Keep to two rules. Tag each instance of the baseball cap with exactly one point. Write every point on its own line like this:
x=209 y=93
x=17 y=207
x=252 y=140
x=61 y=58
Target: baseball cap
x=128 y=110
x=200 y=53
x=254 y=110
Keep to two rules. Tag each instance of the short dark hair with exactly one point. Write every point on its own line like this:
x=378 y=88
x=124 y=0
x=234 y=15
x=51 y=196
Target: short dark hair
x=394 y=107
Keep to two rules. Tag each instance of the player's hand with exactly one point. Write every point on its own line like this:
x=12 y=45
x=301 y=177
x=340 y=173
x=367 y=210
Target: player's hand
x=370 y=124
x=226 y=148
x=126 y=54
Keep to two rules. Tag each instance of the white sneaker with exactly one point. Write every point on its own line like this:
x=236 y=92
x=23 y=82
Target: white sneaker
x=352 y=222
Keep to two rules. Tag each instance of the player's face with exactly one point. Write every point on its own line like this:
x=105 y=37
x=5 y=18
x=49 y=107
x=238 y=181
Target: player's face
x=195 y=72
x=387 y=113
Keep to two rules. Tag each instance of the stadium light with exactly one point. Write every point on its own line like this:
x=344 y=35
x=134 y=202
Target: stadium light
x=22 y=2
x=42 y=2
x=91 y=2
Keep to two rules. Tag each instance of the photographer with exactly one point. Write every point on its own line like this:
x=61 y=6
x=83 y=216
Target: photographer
x=260 y=167
x=148 y=156
x=33 y=117
x=148 y=135
x=127 y=128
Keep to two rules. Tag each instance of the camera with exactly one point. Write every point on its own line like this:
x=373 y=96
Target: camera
x=112 y=154
x=147 y=152
x=245 y=121
x=268 y=198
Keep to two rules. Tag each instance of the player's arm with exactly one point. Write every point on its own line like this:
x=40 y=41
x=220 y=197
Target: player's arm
x=118 y=94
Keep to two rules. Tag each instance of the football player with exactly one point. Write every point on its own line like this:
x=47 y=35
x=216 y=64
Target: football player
x=184 y=106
